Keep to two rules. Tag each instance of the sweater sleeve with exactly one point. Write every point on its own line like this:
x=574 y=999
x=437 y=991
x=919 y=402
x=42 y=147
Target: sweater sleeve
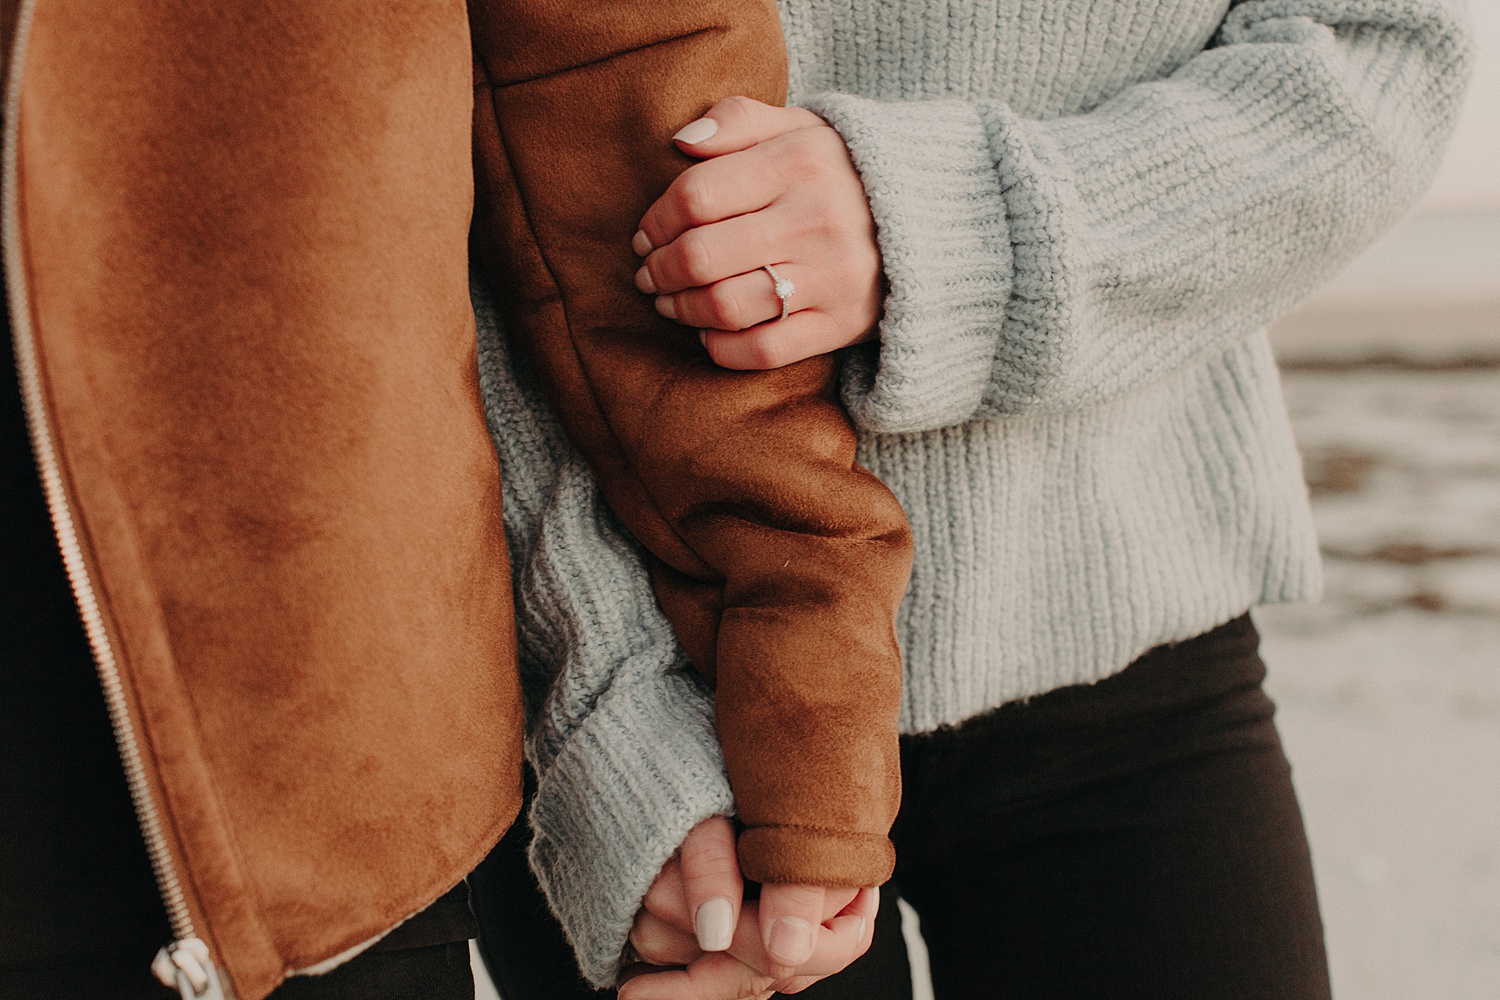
x=620 y=727
x=1052 y=264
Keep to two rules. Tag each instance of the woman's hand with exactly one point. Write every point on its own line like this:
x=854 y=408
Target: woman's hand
x=791 y=938
x=776 y=187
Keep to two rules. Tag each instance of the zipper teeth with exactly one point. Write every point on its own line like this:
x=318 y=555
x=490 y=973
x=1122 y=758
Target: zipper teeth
x=45 y=452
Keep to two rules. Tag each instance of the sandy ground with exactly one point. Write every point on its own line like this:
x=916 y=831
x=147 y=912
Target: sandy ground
x=1390 y=689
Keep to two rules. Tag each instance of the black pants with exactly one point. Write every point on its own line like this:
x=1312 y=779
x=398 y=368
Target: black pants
x=1134 y=838
x=434 y=972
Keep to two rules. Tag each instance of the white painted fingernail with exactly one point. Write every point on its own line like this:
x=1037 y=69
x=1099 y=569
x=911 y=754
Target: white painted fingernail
x=703 y=337
x=667 y=306
x=790 y=941
x=864 y=925
x=695 y=132
x=714 y=924
x=641 y=243
x=644 y=283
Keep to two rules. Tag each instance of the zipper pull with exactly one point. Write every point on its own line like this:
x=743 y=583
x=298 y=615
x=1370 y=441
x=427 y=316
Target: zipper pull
x=187 y=966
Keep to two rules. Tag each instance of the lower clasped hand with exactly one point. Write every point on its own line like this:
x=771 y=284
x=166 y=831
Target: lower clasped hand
x=776 y=186
x=697 y=939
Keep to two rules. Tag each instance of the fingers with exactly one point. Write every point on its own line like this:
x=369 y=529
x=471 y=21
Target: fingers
x=715 y=976
x=736 y=303
x=839 y=901
x=720 y=250
x=840 y=939
x=659 y=943
x=711 y=882
x=817 y=232
x=789 y=919
x=798 y=984
x=775 y=343
x=747 y=181
x=737 y=123
x=847 y=936
x=667 y=898
x=748 y=971
x=711 y=192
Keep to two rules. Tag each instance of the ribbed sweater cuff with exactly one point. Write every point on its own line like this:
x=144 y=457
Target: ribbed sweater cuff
x=941 y=227
x=612 y=807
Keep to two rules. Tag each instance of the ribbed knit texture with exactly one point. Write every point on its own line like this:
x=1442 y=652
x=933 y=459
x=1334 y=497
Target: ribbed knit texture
x=619 y=726
x=1087 y=210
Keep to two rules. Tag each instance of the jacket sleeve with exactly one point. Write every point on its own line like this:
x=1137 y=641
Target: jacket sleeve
x=1043 y=265
x=778 y=560
x=620 y=728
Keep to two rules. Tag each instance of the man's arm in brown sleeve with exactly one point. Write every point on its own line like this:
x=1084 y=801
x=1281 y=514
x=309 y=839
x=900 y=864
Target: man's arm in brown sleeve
x=779 y=561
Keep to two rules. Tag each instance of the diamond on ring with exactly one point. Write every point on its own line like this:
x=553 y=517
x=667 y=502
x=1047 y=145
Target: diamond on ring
x=784 y=289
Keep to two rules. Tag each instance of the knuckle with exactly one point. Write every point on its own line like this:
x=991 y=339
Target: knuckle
x=694 y=196
x=725 y=310
x=644 y=938
x=826 y=138
x=763 y=353
x=720 y=354
x=827 y=220
x=790 y=896
x=658 y=896
x=808 y=119
x=692 y=850
x=806 y=161
x=715 y=868
x=654 y=954
x=696 y=255
x=737 y=108
x=655 y=943
x=753 y=984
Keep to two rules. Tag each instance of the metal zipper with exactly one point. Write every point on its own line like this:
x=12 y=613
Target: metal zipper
x=186 y=960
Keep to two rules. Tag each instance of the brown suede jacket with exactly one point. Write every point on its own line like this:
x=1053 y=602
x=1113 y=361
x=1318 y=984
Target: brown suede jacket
x=236 y=245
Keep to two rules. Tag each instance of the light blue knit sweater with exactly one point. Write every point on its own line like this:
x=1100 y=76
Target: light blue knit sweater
x=1088 y=211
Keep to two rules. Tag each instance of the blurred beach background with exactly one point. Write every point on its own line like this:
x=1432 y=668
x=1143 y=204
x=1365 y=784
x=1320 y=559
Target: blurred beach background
x=1389 y=690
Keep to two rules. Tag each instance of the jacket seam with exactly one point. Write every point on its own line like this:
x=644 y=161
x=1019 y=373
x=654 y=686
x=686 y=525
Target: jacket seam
x=567 y=319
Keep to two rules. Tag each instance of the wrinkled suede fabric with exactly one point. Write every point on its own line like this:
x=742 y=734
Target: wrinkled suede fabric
x=779 y=561
x=241 y=255
x=242 y=263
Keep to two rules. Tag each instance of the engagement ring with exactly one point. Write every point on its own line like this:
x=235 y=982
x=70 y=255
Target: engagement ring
x=784 y=289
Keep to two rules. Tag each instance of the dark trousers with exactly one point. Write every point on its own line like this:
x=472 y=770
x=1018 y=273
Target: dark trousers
x=1134 y=838
x=434 y=972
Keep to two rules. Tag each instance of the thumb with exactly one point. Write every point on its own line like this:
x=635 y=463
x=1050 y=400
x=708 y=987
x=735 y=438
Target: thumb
x=712 y=882
x=789 y=919
x=737 y=123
